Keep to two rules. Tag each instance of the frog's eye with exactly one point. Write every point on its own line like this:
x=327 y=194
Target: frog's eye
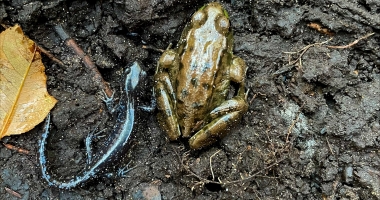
x=199 y=18
x=222 y=24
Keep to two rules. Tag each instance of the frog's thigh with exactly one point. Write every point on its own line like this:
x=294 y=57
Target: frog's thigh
x=238 y=69
x=237 y=103
x=222 y=118
x=213 y=131
x=167 y=117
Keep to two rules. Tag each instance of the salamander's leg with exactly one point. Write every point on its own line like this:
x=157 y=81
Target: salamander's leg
x=124 y=170
x=88 y=142
x=109 y=101
x=151 y=107
x=121 y=172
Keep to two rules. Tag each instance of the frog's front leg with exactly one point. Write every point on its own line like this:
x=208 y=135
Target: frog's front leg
x=165 y=96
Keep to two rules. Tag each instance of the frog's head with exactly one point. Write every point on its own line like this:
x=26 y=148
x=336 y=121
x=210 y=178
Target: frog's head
x=212 y=14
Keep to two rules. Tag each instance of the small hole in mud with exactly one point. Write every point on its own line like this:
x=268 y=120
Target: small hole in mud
x=213 y=187
x=330 y=101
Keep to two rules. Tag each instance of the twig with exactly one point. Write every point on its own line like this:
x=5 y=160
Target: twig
x=153 y=48
x=97 y=77
x=352 y=43
x=328 y=144
x=255 y=174
x=303 y=51
x=13 y=192
x=373 y=172
x=248 y=148
x=205 y=181
x=290 y=129
x=50 y=56
x=18 y=149
x=255 y=95
x=212 y=172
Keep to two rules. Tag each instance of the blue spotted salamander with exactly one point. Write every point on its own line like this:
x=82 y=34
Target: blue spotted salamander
x=117 y=143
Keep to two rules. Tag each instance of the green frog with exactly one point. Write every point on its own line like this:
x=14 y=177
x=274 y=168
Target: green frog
x=193 y=81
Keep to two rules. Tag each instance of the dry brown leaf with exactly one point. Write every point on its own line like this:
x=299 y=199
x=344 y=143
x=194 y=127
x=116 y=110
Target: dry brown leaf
x=24 y=101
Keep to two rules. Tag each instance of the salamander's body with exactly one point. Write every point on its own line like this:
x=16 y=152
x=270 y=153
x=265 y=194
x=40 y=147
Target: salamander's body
x=117 y=144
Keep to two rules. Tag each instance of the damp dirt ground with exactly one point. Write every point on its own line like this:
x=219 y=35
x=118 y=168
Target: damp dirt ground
x=312 y=130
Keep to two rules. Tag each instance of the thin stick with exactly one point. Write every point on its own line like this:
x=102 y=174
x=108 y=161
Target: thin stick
x=255 y=95
x=373 y=172
x=303 y=50
x=18 y=149
x=13 y=192
x=97 y=77
x=50 y=56
x=212 y=172
x=153 y=48
x=203 y=180
x=255 y=174
x=290 y=129
x=352 y=43
x=328 y=144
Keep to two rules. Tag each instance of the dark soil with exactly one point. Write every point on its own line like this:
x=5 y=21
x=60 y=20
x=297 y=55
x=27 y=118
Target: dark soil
x=312 y=130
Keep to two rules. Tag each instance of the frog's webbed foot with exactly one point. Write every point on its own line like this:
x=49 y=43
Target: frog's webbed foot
x=222 y=117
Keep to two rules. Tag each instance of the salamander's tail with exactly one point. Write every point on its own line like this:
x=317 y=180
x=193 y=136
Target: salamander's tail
x=52 y=182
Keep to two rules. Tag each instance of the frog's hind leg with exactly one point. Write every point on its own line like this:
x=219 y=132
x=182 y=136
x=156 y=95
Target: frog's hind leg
x=165 y=98
x=222 y=118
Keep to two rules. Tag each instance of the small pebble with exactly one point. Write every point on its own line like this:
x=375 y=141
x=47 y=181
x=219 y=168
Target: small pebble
x=348 y=174
x=148 y=193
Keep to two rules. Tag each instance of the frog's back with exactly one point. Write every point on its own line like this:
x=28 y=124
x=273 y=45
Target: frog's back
x=201 y=68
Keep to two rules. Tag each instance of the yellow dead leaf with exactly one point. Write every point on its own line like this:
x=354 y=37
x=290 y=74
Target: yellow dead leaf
x=24 y=101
